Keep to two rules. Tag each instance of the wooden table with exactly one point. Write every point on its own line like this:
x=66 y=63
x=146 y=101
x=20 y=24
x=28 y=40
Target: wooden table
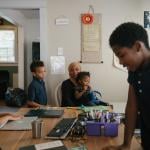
x=12 y=140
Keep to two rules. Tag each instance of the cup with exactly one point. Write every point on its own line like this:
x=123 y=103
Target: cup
x=37 y=128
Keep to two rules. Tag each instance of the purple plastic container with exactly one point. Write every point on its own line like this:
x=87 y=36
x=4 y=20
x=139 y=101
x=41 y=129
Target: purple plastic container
x=102 y=129
x=111 y=129
x=93 y=128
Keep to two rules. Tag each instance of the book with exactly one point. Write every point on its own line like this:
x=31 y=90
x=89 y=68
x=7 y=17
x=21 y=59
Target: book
x=54 y=145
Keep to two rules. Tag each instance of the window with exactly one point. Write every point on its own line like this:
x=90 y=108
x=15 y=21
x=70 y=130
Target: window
x=8 y=44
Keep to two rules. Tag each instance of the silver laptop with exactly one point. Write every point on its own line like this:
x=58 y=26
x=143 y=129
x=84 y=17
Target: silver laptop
x=23 y=124
x=4 y=109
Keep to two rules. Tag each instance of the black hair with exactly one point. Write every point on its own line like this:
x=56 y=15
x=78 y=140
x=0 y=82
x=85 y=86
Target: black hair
x=81 y=75
x=35 y=64
x=126 y=34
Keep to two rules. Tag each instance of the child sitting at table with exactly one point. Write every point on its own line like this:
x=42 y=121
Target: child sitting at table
x=83 y=92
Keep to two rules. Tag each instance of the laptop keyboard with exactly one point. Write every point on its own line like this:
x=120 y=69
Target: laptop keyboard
x=36 y=112
x=62 y=128
x=45 y=113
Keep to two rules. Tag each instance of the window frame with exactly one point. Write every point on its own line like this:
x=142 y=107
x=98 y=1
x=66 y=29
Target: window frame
x=15 y=29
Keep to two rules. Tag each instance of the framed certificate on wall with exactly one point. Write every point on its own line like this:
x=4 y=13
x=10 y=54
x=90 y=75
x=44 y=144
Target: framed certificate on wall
x=91 y=39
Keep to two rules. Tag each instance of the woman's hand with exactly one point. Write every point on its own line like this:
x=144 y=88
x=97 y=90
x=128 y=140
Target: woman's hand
x=6 y=118
x=14 y=117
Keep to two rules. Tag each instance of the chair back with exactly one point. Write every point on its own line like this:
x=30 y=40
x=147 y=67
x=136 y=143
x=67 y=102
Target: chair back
x=58 y=94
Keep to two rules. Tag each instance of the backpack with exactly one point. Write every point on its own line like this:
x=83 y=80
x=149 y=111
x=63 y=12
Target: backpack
x=15 y=97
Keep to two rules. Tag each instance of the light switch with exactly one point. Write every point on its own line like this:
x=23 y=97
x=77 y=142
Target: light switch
x=60 y=51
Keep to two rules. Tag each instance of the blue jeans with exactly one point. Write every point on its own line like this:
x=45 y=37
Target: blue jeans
x=93 y=100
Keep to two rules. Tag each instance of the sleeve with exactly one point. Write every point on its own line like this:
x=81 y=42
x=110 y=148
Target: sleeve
x=78 y=88
x=78 y=92
x=31 y=93
x=67 y=94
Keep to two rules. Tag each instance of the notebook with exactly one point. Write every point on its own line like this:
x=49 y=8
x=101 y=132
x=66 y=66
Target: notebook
x=22 y=124
x=45 y=113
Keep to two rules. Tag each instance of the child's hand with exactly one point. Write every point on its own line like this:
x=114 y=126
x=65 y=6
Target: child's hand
x=85 y=87
x=89 y=87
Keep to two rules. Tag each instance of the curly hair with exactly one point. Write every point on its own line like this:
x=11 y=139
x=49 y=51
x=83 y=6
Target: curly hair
x=126 y=34
x=82 y=75
x=35 y=64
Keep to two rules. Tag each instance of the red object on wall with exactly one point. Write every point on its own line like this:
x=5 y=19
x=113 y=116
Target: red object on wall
x=87 y=18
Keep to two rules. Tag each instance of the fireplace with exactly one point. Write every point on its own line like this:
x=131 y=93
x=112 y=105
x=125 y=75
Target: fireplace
x=4 y=82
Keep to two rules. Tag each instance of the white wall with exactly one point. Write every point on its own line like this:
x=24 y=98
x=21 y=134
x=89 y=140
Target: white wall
x=109 y=80
x=22 y=4
x=32 y=28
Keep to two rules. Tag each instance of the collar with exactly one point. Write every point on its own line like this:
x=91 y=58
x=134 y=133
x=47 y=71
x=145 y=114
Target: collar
x=37 y=79
x=73 y=81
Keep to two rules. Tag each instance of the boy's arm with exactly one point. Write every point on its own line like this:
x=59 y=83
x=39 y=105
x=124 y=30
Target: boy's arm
x=130 y=121
x=131 y=116
x=33 y=104
x=32 y=96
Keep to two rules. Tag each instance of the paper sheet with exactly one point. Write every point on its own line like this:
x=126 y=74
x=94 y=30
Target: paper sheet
x=91 y=37
x=47 y=145
x=57 y=64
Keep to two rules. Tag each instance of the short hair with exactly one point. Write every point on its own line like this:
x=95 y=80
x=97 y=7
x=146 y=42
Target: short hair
x=82 y=75
x=73 y=64
x=35 y=64
x=126 y=34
